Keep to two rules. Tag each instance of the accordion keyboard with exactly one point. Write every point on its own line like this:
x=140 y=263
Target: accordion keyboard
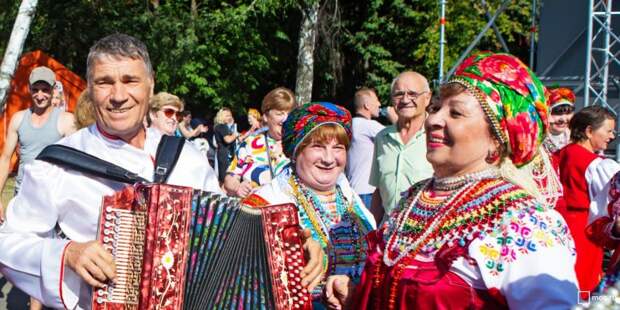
x=123 y=232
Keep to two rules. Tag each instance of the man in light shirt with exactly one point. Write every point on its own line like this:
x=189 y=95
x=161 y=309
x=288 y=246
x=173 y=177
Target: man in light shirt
x=359 y=161
x=61 y=272
x=399 y=159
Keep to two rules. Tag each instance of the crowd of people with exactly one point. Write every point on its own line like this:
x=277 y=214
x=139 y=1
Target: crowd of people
x=490 y=193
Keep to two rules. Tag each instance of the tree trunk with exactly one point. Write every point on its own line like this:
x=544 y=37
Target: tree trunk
x=305 y=56
x=15 y=46
x=194 y=9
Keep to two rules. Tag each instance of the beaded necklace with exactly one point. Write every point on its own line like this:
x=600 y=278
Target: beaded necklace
x=430 y=216
x=452 y=183
x=347 y=250
x=412 y=243
x=467 y=213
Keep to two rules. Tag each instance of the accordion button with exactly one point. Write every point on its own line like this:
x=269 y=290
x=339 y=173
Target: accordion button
x=108 y=209
x=99 y=300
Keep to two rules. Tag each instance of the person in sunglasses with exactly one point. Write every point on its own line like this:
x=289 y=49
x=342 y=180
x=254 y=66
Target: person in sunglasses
x=562 y=107
x=163 y=111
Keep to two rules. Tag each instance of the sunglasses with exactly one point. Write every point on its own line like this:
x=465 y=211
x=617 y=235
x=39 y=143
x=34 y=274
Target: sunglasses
x=170 y=113
x=560 y=122
x=563 y=109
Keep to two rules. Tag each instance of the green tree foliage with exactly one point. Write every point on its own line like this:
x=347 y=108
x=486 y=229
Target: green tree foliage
x=231 y=53
x=384 y=37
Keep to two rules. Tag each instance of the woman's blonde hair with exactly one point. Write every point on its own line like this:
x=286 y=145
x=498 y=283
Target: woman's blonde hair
x=254 y=113
x=219 y=117
x=162 y=99
x=84 y=111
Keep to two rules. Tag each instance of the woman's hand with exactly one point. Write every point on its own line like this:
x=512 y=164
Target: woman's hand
x=338 y=292
x=312 y=273
x=244 y=189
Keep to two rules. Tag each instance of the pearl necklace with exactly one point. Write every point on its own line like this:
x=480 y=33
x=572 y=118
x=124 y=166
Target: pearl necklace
x=448 y=184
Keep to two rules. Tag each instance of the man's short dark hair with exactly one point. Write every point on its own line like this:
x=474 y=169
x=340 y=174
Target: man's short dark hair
x=358 y=99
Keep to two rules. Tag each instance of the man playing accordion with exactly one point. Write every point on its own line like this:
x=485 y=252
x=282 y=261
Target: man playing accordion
x=61 y=271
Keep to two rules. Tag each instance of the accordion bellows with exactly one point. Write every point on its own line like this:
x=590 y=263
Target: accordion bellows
x=178 y=248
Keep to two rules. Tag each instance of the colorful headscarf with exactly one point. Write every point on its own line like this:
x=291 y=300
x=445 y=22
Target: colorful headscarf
x=512 y=97
x=560 y=96
x=304 y=119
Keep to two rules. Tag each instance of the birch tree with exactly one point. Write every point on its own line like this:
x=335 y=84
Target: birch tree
x=15 y=46
x=305 y=56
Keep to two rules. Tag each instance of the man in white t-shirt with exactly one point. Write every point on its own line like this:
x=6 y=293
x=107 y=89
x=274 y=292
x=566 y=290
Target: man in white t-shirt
x=359 y=161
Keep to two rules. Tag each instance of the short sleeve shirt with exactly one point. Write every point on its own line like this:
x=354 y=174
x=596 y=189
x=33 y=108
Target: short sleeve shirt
x=396 y=166
x=222 y=130
x=359 y=156
x=250 y=162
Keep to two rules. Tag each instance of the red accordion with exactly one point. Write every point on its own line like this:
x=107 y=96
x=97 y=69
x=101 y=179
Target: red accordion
x=177 y=248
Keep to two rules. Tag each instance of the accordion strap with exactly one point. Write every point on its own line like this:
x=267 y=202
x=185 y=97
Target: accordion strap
x=168 y=152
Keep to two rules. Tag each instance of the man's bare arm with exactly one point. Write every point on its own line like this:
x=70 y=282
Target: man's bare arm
x=10 y=143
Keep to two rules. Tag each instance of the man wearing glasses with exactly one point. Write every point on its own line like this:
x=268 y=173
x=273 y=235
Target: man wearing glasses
x=399 y=158
x=562 y=106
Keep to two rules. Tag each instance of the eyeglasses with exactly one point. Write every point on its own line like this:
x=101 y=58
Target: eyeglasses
x=400 y=94
x=170 y=113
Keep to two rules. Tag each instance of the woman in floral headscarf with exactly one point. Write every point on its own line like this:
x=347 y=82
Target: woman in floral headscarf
x=478 y=234
x=316 y=137
x=561 y=105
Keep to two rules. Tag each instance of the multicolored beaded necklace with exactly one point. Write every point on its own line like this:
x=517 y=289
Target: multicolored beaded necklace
x=339 y=231
x=428 y=222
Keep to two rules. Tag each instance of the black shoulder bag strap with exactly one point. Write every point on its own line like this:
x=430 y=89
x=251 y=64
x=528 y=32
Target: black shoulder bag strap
x=168 y=152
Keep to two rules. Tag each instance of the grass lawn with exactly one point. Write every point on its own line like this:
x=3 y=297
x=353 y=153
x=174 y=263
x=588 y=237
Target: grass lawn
x=7 y=194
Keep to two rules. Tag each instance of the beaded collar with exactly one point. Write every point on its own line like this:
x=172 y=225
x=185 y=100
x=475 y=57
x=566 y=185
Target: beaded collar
x=425 y=225
x=452 y=183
